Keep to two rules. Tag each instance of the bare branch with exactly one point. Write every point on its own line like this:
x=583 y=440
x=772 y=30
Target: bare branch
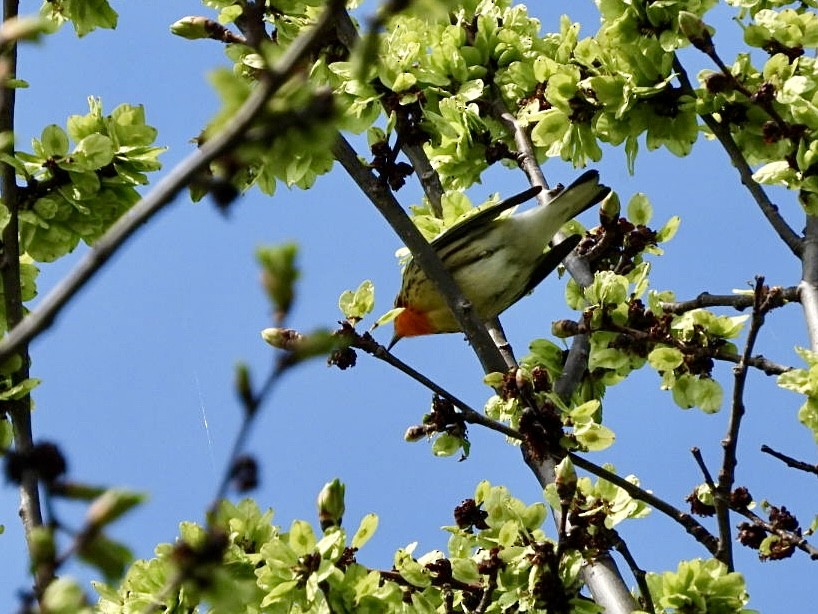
x=790 y=461
x=602 y=577
x=19 y=410
x=690 y=524
x=739 y=302
x=370 y=346
x=722 y=132
x=577 y=360
x=794 y=538
x=638 y=573
x=730 y=441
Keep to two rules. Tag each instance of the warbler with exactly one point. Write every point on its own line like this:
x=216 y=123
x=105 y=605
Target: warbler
x=494 y=260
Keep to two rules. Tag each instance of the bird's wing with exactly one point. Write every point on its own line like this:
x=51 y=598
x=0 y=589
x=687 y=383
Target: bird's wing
x=550 y=261
x=464 y=228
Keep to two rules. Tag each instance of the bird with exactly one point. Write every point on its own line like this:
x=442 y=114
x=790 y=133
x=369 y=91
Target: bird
x=495 y=260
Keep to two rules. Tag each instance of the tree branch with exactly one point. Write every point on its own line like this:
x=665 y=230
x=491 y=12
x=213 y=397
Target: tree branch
x=602 y=576
x=790 y=461
x=730 y=442
x=383 y=199
x=167 y=189
x=739 y=302
x=690 y=524
x=373 y=348
x=426 y=174
x=808 y=288
x=722 y=132
x=19 y=410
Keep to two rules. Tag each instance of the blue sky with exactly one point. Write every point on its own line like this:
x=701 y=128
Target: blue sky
x=144 y=357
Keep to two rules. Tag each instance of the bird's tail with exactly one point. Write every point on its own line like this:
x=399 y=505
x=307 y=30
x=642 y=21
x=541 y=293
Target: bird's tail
x=581 y=195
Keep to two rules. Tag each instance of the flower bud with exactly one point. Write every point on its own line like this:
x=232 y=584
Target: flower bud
x=191 y=27
x=331 y=504
x=564 y=329
x=696 y=31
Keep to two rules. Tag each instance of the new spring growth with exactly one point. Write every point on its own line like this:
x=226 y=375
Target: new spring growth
x=331 y=504
x=696 y=31
x=300 y=346
x=278 y=276
x=111 y=505
x=244 y=388
x=566 y=481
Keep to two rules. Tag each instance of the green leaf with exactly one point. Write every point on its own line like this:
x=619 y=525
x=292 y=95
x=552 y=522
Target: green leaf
x=708 y=395
x=93 y=152
x=607 y=288
x=111 y=505
x=808 y=416
x=668 y=231
x=65 y=596
x=776 y=173
x=594 y=437
x=446 y=445
x=108 y=556
x=20 y=390
x=301 y=538
x=54 y=141
x=86 y=15
x=355 y=305
x=367 y=528
x=508 y=534
x=665 y=358
x=639 y=209
x=411 y=570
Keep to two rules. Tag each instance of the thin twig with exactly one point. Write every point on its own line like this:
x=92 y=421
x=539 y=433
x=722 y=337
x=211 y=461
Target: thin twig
x=708 y=477
x=796 y=539
x=383 y=199
x=727 y=475
x=622 y=548
x=165 y=191
x=739 y=302
x=722 y=132
x=790 y=461
x=768 y=367
x=370 y=346
x=19 y=410
x=577 y=361
x=690 y=524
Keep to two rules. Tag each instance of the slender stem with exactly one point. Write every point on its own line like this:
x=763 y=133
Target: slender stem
x=790 y=461
x=20 y=409
x=426 y=174
x=722 y=133
x=690 y=524
x=727 y=474
x=739 y=302
x=469 y=415
x=601 y=575
x=792 y=537
x=638 y=573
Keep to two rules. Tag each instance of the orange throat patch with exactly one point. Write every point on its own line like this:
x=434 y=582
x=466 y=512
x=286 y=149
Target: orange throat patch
x=411 y=323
